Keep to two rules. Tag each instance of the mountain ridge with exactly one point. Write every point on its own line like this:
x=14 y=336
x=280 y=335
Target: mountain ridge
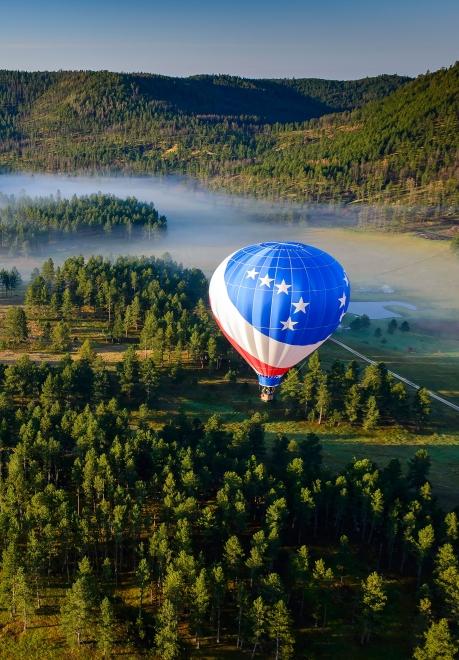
x=376 y=139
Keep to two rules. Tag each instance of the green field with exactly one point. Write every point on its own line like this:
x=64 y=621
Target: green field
x=426 y=358
x=234 y=402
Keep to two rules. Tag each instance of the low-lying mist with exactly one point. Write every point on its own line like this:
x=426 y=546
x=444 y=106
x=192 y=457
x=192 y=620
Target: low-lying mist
x=204 y=226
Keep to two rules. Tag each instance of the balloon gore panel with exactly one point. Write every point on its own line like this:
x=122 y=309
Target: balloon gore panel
x=277 y=302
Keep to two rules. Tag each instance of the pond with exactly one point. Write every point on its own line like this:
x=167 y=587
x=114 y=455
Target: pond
x=379 y=309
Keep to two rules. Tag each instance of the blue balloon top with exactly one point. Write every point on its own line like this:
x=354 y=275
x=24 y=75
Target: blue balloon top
x=290 y=292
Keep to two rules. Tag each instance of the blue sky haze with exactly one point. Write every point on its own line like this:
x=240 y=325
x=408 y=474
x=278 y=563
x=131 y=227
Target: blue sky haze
x=341 y=39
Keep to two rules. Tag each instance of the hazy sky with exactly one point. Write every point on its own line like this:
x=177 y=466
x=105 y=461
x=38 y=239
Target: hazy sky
x=302 y=38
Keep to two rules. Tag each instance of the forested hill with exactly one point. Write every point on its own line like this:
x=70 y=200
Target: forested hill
x=404 y=146
x=385 y=138
x=206 y=95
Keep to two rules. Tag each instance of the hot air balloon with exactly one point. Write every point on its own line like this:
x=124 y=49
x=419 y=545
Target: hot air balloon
x=276 y=303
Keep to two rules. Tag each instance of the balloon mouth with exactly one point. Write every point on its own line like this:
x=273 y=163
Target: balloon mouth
x=269 y=381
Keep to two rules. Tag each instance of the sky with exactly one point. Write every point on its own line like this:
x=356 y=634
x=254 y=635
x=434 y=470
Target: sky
x=336 y=39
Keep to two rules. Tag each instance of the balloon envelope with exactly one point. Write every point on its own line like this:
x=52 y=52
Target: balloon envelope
x=277 y=303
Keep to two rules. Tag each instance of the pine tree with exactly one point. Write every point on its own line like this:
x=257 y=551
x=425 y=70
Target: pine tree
x=323 y=399
x=351 y=374
x=143 y=578
x=48 y=272
x=60 y=336
x=101 y=380
x=218 y=593
x=233 y=555
x=148 y=332
x=129 y=372
x=421 y=405
x=399 y=401
x=438 y=645
x=373 y=603
x=212 y=351
x=422 y=544
x=447 y=578
x=86 y=352
x=352 y=403
x=106 y=628
x=10 y=566
x=451 y=526
x=258 y=626
x=173 y=586
x=117 y=327
x=314 y=363
x=149 y=377
x=67 y=305
x=290 y=389
x=45 y=328
x=196 y=345
x=199 y=604
x=424 y=614
x=310 y=451
x=279 y=630
x=322 y=583
x=36 y=554
x=371 y=417
x=22 y=596
x=15 y=328
x=134 y=312
x=76 y=616
x=166 y=638
x=54 y=302
x=127 y=320
x=80 y=599
x=256 y=558
x=301 y=573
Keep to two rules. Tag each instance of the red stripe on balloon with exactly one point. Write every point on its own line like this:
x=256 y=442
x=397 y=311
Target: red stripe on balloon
x=260 y=367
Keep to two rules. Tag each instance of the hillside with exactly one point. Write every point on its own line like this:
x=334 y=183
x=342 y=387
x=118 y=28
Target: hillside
x=206 y=95
x=384 y=138
x=402 y=146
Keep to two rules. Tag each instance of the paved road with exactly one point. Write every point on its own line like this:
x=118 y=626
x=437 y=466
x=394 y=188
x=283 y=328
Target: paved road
x=402 y=378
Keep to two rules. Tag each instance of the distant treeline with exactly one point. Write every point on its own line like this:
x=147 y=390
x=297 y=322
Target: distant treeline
x=27 y=222
x=9 y=281
x=384 y=139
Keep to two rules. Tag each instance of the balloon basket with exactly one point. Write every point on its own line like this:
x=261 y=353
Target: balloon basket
x=267 y=393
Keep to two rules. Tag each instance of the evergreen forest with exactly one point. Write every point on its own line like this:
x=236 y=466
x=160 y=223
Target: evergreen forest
x=386 y=140
x=129 y=528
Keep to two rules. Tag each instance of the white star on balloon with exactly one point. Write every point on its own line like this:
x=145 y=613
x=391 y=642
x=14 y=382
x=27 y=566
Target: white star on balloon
x=288 y=324
x=345 y=279
x=252 y=273
x=283 y=287
x=342 y=300
x=300 y=306
x=266 y=280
